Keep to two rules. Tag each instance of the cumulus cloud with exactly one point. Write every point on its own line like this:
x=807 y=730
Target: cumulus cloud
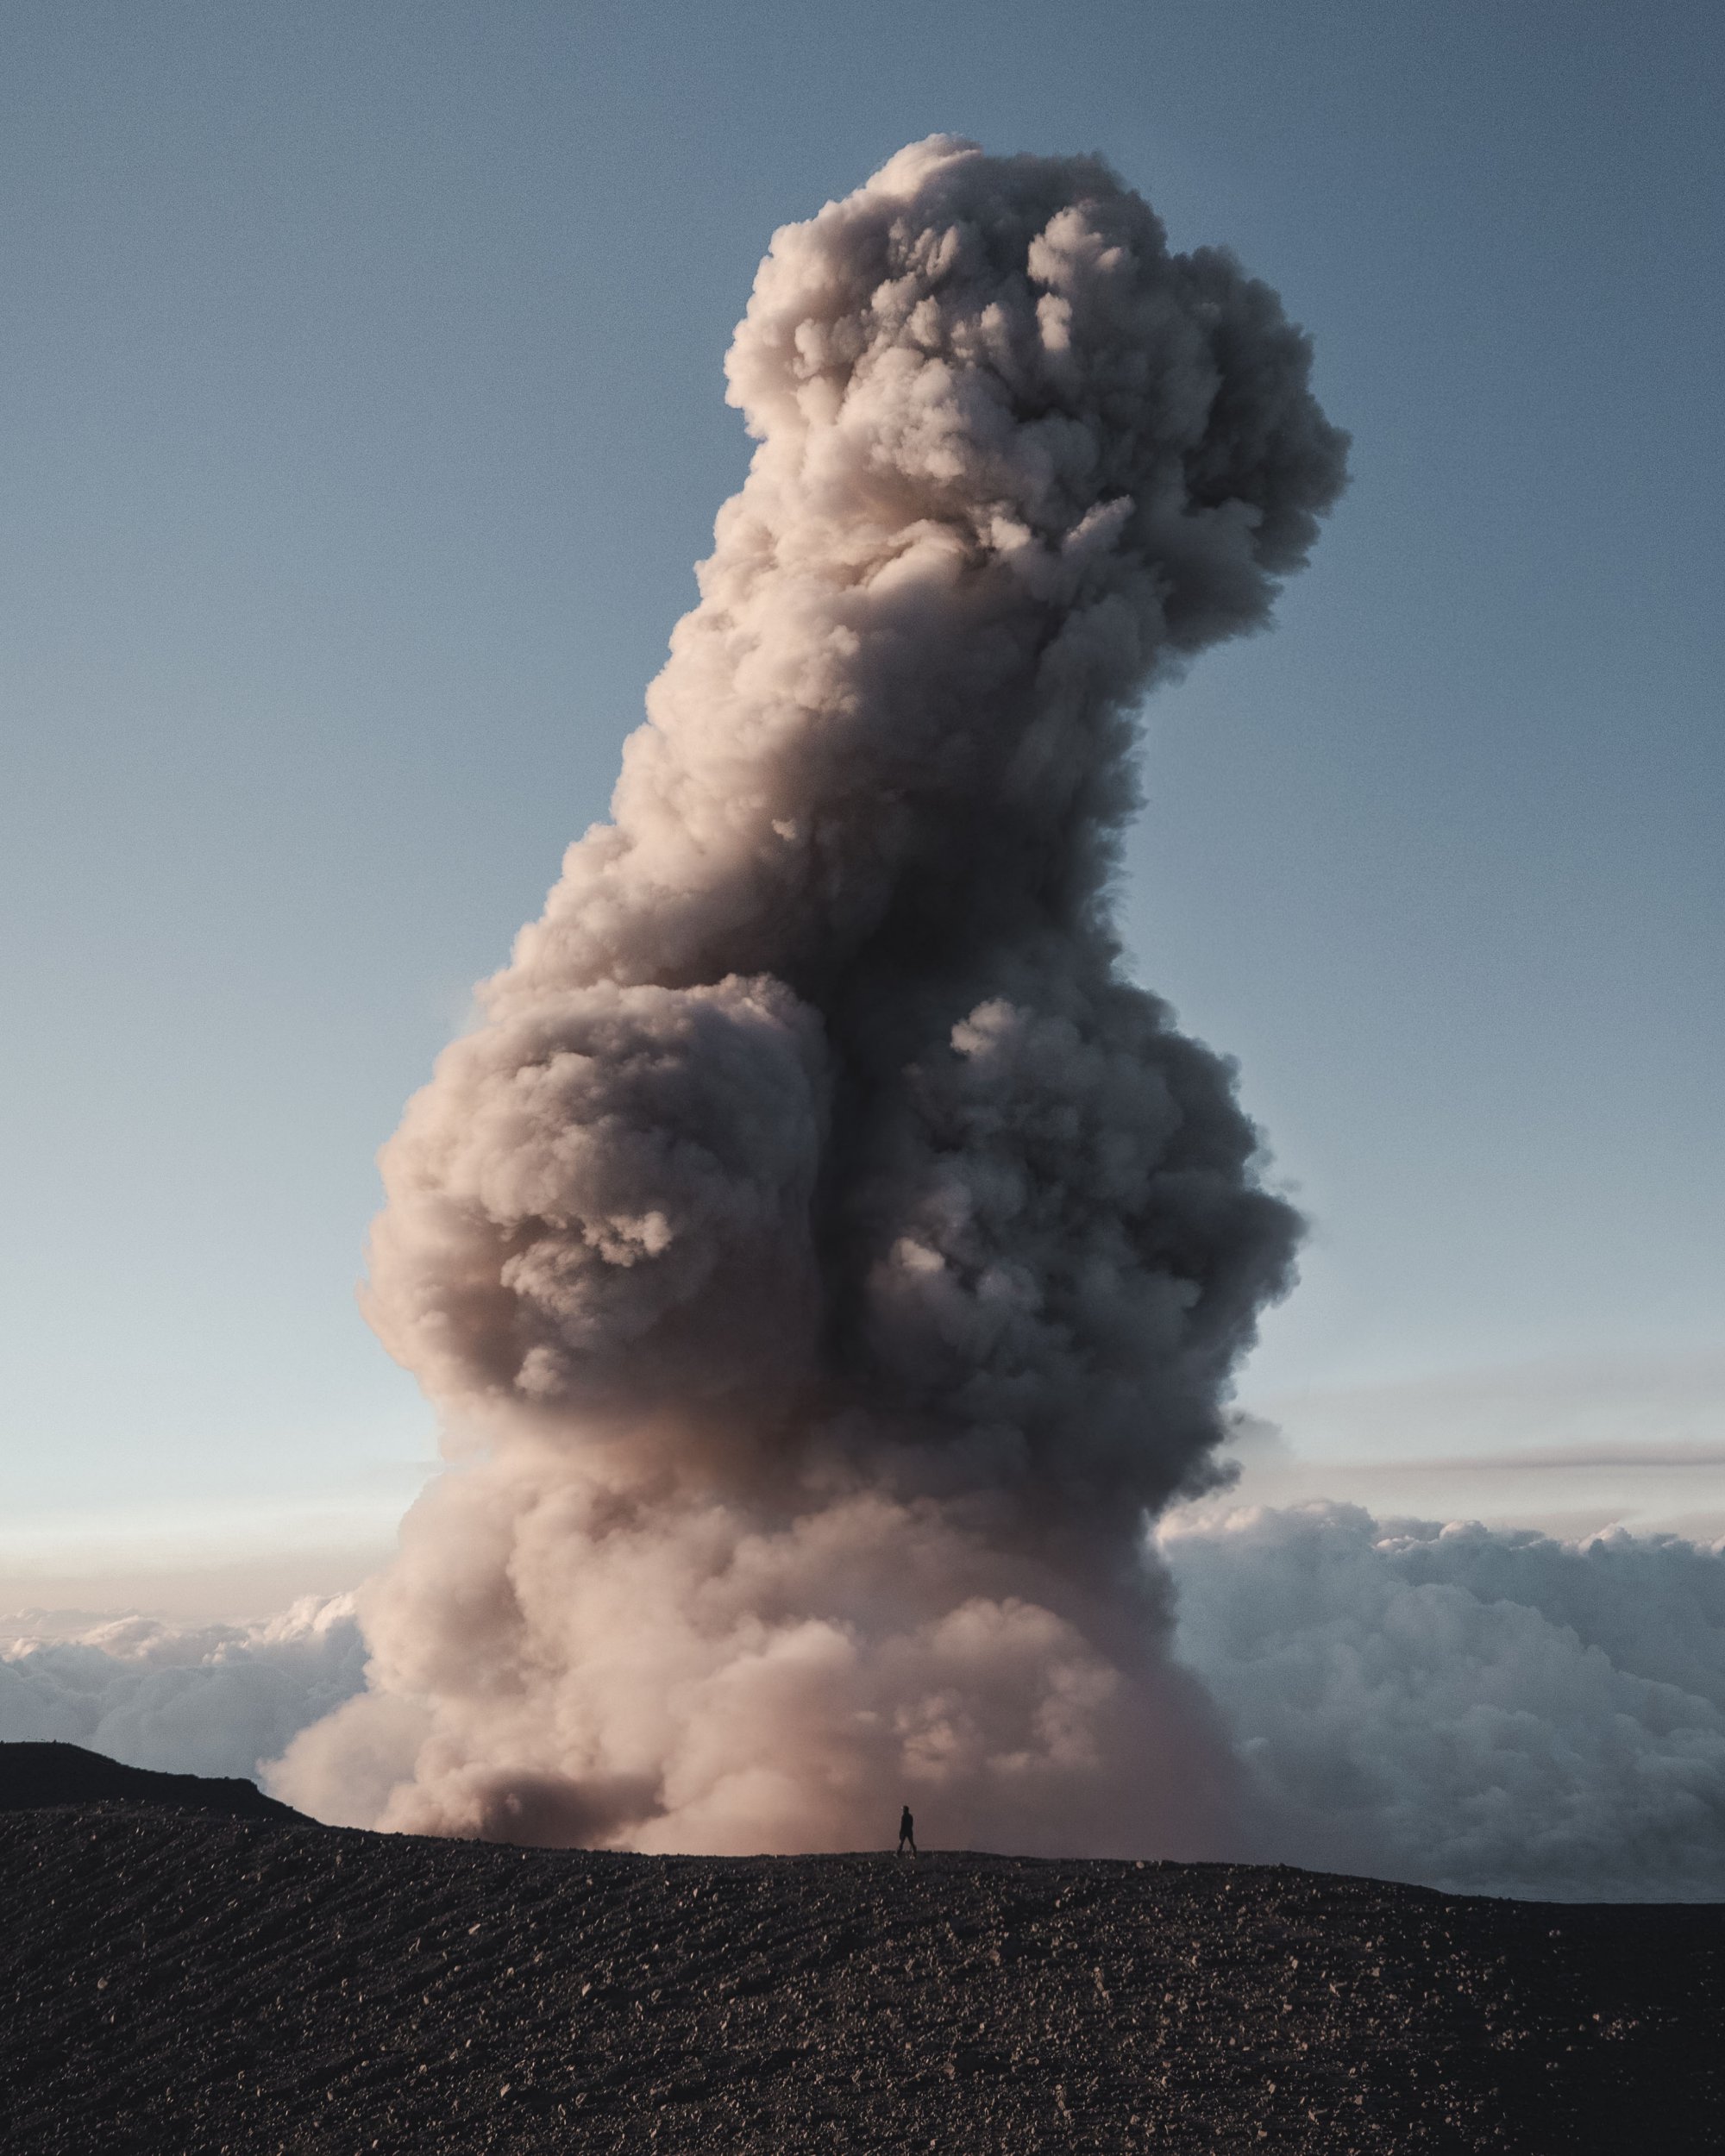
x=183 y=1699
x=828 y=1254
x=1488 y=1710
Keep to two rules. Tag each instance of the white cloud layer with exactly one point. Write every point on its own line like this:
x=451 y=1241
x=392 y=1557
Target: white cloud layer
x=183 y=1699
x=1488 y=1710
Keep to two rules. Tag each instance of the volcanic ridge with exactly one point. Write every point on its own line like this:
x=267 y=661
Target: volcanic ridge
x=179 y=1978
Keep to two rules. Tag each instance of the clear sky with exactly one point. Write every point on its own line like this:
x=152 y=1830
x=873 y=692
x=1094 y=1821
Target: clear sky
x=362 y=418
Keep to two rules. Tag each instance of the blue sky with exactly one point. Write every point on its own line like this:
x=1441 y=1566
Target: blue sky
x=362 y=418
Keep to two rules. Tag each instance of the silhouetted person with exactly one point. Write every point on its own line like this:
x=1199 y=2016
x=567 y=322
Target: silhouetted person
x=906 y=1831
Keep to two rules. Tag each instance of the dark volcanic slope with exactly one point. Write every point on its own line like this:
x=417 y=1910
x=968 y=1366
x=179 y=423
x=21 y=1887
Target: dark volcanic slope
x=32 y=1775
x=174 y=1981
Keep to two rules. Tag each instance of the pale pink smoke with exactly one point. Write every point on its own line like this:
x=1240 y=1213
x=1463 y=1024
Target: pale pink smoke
x=834 y=1258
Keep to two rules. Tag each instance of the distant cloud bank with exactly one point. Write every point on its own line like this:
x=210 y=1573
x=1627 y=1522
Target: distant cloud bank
x=1485 y=1709
x=1488 y=1710
x=184 y=1699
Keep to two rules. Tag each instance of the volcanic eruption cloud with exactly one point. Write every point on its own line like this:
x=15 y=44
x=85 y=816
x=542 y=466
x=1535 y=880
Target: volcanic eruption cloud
x=825 y=1259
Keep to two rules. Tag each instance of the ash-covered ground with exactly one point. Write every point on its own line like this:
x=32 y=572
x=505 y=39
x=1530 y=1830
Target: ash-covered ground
x=174 y=1980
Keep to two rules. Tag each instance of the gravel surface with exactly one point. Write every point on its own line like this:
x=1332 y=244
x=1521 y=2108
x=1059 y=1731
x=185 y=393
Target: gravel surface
x=173 y=1980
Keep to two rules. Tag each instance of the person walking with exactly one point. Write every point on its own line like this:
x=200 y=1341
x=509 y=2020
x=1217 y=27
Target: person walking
x=906 y=1831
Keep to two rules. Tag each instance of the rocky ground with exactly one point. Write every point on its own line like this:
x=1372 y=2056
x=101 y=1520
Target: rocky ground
x=176 y=1980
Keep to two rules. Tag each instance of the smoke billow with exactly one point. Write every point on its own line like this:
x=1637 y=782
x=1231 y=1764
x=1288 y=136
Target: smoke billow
x=832 y=1259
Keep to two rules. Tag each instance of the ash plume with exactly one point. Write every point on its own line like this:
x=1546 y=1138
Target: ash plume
x=828 y=1257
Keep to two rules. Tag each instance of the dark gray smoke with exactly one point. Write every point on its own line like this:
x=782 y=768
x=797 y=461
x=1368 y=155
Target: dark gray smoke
x=835 y=1256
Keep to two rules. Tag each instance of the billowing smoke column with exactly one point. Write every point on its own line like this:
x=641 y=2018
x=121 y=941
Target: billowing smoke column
x=836 y=1256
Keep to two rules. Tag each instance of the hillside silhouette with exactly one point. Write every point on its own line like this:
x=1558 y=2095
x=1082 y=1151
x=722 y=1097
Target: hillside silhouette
x=34 y=1774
